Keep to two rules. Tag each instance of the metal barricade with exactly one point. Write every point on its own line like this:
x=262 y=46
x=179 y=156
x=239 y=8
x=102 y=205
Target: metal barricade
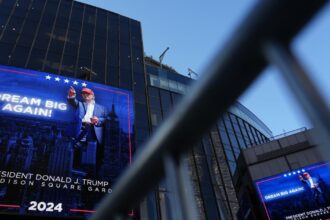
x=263 y=39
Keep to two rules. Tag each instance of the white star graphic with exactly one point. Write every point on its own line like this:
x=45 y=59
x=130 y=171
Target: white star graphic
x=75 y=82
x=66 y=81
x=84 y=84
x=48 y=77
x=57 y=79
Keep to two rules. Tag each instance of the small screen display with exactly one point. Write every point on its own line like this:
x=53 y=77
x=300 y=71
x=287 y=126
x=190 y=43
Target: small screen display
x=300 y=194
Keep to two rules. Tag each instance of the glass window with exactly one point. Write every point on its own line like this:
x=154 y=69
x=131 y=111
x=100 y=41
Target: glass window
x=87 y=40
x=154 y=80
x=3 y=19
x=37 y=7
x=36 y=59
x=41 y=42
x=82 y=62
x=19 y=56
x=176 y=98
x=153 y=92
x=237 y=153
x=138 y=66
x=154 y=102
x=232 y=167
x=229 y=155
x=7 y=3
x=100 y=43
x=24 y=4
x=5 y=52
x=244 y=132
x=56 y=46
x=142 y=118
x=151 y=202
x=77 y=12
x=139 y=84
x=173 y=86
x=71 y=49
x=34 y=16
x=25 y=40
x=9 y=36
x=63 y=14
x=163 y=83
x=53 y=57
x=36 y=10
x=73 y=37
x=259 y=137
x=113 y=75
x=89 y=20
x=29 y=28
x=68 y=65
x=101 y=23
x=113 y=28
x=152 y=70
x=15 y=24
x=224 y=137
x=136 y=34
x=125 y=56
x=182 y=88
x=124 y=30
x=99 y=69
x=99 y=55
x=50 y=12
x=126 y=78
x=249 y=132
x=21 y=8
x=113 y=54
x=5 y=11
x=86 y=53
x=254 y=135
x=59 y=33
x=75 y=25
x=156 y=117
x=165 y=99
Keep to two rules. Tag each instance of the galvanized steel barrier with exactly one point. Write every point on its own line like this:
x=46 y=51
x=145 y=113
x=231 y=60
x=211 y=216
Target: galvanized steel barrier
x=262 y=39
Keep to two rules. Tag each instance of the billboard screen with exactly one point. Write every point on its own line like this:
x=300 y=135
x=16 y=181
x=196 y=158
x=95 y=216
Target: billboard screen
x=300 y=194
x=63 y=142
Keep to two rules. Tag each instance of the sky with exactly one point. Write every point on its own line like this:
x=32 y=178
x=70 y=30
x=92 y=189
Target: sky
x=195 y=30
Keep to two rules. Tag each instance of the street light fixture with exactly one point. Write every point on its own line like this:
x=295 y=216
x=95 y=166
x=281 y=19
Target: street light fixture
x=190 y=71
x=161 y=57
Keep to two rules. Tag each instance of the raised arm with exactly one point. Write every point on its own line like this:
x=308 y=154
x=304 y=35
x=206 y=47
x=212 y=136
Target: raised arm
x=72 y=97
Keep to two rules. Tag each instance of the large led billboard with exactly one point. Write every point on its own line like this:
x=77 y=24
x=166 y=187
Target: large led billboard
x=63 y=142
x=299 y=194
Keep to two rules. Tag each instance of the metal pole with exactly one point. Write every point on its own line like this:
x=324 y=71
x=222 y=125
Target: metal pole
x=178 y=181
x=230 y=73
x=303 y=88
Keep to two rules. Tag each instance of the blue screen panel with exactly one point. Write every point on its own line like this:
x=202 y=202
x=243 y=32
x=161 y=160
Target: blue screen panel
x=300 y=194
x=63 y=142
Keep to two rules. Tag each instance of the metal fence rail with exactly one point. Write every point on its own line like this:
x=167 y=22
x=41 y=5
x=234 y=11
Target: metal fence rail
x=234 y=68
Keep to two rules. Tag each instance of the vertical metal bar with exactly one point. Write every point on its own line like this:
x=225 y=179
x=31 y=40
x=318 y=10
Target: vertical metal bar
x=303 y=88
x=177 y=179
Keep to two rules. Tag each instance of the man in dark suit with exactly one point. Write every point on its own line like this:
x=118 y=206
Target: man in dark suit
x=314 y=185
x=88 y=124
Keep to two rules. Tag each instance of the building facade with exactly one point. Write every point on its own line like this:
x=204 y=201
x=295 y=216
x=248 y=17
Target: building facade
x=213 y=161
x=285 y=158
x=62 y=36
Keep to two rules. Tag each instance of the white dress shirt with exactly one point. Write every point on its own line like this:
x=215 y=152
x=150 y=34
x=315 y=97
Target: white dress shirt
x=89 y=112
